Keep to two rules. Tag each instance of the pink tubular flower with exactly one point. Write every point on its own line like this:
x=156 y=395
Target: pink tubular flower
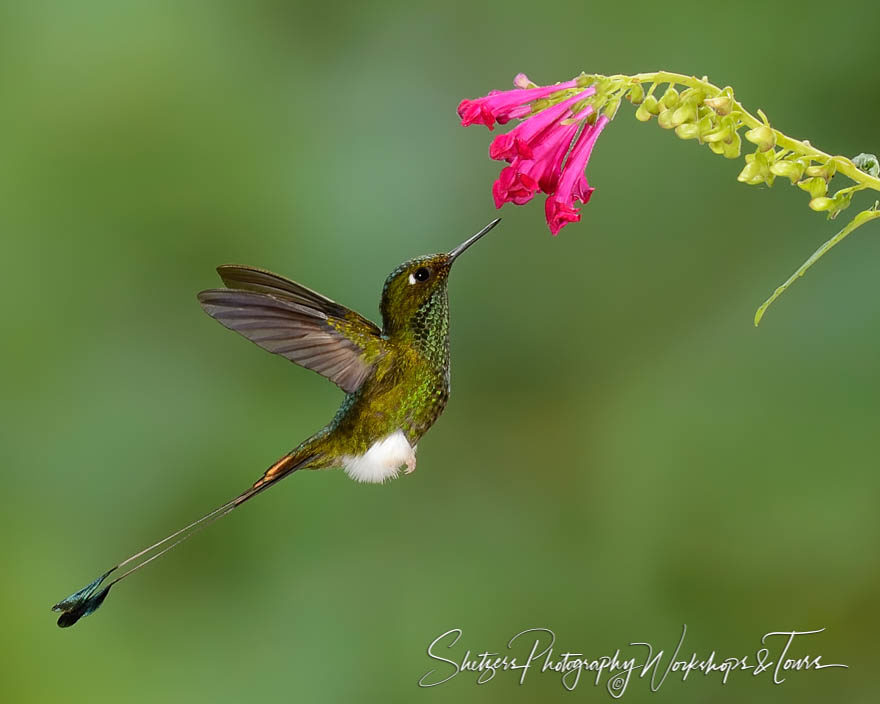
x=559 y=208
x=514 y=186
x=503 y=106
x=536 y=149
x=540 y=171
x=523 y=138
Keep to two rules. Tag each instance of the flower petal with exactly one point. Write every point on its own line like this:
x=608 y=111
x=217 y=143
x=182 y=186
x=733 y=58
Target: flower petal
x=502 y=106
x=559 y=214
x=513 y=185
x=537 y=127
x=572 y=184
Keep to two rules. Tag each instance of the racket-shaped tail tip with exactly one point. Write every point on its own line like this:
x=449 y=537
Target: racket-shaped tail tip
x=89 y=599
x=82 y=603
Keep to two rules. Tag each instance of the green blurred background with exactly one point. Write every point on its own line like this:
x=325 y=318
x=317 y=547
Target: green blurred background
x=623 y=452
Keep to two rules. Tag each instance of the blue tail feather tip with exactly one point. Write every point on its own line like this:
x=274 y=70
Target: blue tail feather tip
x=82 y=603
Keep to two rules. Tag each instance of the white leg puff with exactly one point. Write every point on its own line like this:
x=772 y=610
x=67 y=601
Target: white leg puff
x=382 y=461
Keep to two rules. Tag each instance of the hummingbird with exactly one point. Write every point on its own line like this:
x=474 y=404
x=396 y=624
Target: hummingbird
x=395 y=379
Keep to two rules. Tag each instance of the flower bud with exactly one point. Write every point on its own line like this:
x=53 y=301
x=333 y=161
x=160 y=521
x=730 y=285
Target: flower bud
x=721 y=104
x=670 y=97
x=792 y=170
x=825 y=170
x=816 y=187
x=692 y=95
x=842 y=200
x=636 y=94
x=521 y=80
x=688 y=130
x=706 y=124
x=664 y=119
x=720 y=134
x=652 y=105
x=753 y=173
x=686 y=112
x=642 y=113
x=732 y=147
x=763 y=136
x=821 y=203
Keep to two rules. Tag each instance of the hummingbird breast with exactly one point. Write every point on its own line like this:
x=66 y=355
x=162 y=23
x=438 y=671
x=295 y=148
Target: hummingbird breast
x=378 y=426
x=405 y=393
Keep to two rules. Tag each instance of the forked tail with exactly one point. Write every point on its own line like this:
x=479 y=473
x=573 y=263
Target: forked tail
x=88 y=599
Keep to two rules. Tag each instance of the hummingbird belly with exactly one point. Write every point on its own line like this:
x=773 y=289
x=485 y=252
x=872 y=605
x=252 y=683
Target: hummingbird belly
x=375 y=431
x=382 y=461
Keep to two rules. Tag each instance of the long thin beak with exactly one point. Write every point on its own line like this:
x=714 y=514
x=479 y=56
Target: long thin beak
x=470 y=240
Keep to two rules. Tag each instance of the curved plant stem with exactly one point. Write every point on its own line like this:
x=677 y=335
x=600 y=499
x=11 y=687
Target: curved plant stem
x=792 y=159
x=844 y=166
x=855 y=223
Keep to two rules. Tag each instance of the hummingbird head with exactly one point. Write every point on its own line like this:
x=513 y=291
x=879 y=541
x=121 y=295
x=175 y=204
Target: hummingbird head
x=414 y=294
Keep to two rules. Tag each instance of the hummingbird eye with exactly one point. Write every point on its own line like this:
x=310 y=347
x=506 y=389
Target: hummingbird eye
x=421 y=274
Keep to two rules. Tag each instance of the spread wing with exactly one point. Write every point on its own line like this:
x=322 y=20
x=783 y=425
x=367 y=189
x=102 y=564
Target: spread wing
x=288 y=319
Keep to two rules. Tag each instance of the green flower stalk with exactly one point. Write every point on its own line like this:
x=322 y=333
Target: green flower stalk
x=694 y=109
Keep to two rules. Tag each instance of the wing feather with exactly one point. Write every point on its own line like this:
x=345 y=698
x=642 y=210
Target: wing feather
x=295 y=322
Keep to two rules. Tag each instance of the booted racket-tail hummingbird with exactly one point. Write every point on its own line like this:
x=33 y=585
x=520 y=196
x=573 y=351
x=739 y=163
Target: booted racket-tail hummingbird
x=395 y=379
